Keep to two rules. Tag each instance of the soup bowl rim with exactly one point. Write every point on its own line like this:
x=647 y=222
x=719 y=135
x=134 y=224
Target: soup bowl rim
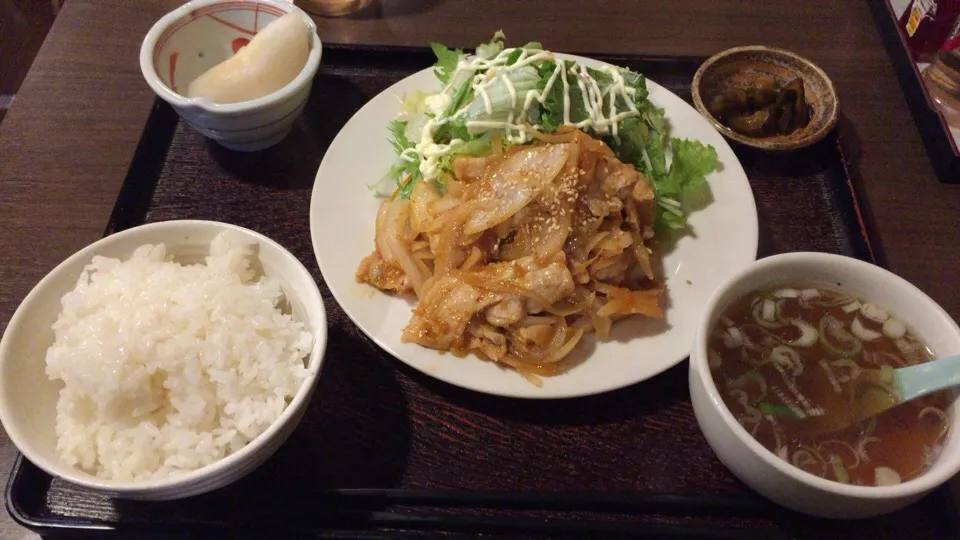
x=943 y=468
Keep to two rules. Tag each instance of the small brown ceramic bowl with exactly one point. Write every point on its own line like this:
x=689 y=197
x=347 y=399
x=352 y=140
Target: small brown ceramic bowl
x=741 y=66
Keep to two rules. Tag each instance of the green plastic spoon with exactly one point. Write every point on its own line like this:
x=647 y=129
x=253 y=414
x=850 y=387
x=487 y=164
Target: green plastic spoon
x=878 y=390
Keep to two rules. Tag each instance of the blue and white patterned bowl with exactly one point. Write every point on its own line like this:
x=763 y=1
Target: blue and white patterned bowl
x=193 y=38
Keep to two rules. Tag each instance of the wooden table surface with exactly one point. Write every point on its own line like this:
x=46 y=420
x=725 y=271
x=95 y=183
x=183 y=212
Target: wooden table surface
x=67 y=142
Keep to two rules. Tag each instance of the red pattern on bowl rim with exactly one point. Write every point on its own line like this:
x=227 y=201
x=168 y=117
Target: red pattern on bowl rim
x=210 y=13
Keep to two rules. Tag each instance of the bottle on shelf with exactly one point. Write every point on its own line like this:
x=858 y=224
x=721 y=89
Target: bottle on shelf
x=927 y=24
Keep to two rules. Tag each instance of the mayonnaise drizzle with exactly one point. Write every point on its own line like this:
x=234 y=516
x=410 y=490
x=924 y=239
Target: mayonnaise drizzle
x=601 y=118
x=430 y=151
x=512 y=90
x=486 y=99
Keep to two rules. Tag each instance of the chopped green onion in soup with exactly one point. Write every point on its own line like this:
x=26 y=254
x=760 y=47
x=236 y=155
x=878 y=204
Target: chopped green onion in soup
x=788 y=358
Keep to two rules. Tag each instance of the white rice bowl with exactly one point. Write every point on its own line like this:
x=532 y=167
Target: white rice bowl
x=166 y=367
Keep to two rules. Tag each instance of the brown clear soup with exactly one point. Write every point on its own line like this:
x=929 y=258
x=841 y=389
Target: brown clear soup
x=788 y=357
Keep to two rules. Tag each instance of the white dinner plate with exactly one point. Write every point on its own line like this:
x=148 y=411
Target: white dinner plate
x=342 y=212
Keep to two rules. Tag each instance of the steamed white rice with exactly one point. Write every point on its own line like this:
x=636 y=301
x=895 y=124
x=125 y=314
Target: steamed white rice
x=169 y=367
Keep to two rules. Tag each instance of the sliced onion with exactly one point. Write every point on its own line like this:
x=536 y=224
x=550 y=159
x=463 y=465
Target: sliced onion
x=791 y=384
x=847 y=344
x=792 y=403
x=863 y=333
x=846 y=446
x=834 y=301
x=874 y=312
x=808 y=334
x=780 y=318
x=536 y=320
x=831 y=377
x=930 y=454
x=565 y=349
x=760 y=314
x=885 y=476
x=752 y=414
x=798 y=460
x=783 y=453
x=925 y=462
x=912 y=352
x=786 y=293
x=813 y=452
x=862 y=447
x=602 y=324
x=787 y=358
x=851 y=307
x=935 y=411
x=798 y=412
x=442 y=205
x=766 y=338
x=753 y=375
x=800 y=463
x=849 y=364
x=769 y=310
x=559 y=334
x=572 y=305
x=839 y=471
x=896 y=359
x=777 y=435
x=727 y=321
x=894 y=328
x=733 y=338
x=747 y=359
x=945 y=426
x=809 y=294
x=393 y=220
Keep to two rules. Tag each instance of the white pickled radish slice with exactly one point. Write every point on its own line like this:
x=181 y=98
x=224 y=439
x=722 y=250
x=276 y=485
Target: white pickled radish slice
x=269 y=62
